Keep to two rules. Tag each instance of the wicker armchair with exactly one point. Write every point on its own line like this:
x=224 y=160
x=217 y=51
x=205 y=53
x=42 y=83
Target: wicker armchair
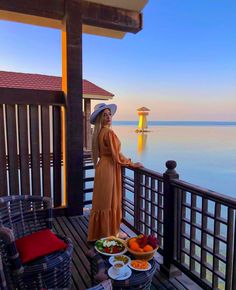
x=21 y=216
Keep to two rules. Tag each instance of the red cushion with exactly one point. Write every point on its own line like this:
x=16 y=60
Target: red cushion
x=38 y=244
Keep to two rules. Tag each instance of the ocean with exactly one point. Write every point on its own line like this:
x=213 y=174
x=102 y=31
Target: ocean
x=205 y=152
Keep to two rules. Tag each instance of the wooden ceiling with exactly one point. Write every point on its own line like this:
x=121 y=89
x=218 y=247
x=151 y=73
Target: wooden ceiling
x=133 y=5
x=112 y=18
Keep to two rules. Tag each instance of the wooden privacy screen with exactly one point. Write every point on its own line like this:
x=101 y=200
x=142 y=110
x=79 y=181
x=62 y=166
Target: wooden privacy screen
x=31 y=143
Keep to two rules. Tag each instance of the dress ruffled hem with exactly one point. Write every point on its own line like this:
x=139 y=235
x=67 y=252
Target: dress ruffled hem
x=103 y=223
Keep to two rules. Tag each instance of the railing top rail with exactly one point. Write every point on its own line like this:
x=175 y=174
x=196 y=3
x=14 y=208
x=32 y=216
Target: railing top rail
x=149 y=172
x=206 y=193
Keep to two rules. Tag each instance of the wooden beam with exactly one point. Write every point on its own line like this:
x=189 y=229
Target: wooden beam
x=3 y=165
x=30 y=96
x=30 y=19
x=111 y=18
x=44 y=8
x=51 y=13
x=87 y=129
x=72 y=86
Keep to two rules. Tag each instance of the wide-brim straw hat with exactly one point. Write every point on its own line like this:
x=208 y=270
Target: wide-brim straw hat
x=101 y=107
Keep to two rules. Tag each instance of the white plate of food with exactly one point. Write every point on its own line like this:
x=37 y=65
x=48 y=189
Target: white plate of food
x=140 y=265
x=122 y=258
x=110 y=246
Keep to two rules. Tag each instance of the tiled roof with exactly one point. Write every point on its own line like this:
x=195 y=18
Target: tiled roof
x=143 y=109
x=45 y=82
x=92 y=89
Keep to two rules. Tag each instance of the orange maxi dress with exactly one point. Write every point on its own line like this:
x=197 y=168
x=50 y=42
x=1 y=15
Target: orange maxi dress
x=106 y=213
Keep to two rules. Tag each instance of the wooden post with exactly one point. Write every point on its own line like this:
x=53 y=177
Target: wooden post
x=169 y=219
x=88 y=137
x=72 y=87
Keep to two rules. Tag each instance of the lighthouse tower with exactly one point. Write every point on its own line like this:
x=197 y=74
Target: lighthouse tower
x=142 y=126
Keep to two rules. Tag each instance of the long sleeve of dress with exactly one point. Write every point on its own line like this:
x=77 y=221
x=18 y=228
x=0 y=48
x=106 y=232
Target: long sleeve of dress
x=115 y=146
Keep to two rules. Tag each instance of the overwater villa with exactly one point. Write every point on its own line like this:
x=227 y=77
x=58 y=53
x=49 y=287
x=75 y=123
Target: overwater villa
x=43 y=166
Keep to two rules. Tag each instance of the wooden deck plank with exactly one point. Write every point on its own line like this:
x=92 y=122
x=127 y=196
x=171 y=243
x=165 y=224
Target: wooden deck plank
x=76 y=228
x=81 y=246
x=78 y=282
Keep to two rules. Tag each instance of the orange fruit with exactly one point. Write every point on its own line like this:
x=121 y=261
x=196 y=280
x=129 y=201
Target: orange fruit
x=139 y=264
x=134 y=246
x=148 y=248
x=139 y=250
x=132 y=240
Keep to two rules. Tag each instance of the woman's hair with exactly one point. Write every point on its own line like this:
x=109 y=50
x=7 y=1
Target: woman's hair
x=96 y=131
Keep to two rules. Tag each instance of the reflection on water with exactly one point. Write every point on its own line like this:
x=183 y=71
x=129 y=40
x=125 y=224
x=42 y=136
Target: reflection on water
x=205 y=155
x=142 y=140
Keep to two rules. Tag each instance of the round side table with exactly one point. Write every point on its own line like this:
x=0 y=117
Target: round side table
x=138 y=279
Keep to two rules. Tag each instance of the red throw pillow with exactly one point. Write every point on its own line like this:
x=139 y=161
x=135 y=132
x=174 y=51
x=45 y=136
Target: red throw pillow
x=38 y=244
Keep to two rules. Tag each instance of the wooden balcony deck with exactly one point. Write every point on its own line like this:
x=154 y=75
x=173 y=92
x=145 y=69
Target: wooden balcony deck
x=76 y=228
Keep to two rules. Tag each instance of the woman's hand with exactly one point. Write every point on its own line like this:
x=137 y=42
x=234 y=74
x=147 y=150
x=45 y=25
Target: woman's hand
x=137 y=165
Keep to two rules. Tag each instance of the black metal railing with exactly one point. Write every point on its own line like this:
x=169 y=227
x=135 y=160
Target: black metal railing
x=88 y=178
x=205 y=234
x=143 y=201
x=195 y=226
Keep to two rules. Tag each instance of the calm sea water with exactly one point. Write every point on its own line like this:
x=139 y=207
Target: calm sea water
x=205 y=152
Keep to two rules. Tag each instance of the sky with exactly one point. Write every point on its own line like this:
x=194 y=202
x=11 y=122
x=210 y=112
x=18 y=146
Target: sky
x=182 y=65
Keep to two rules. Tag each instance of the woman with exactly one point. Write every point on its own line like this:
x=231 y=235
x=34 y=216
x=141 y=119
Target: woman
x=106 y=213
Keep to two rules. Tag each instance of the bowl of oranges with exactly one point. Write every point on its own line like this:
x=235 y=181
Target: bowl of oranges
x=142 y=247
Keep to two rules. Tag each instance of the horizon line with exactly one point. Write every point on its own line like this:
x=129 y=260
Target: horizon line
x=186 y=121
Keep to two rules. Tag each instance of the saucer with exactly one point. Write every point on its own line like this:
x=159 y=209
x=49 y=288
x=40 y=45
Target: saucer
x=112 y=275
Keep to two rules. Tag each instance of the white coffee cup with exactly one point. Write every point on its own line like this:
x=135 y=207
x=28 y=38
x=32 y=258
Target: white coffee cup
x=118 y=267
